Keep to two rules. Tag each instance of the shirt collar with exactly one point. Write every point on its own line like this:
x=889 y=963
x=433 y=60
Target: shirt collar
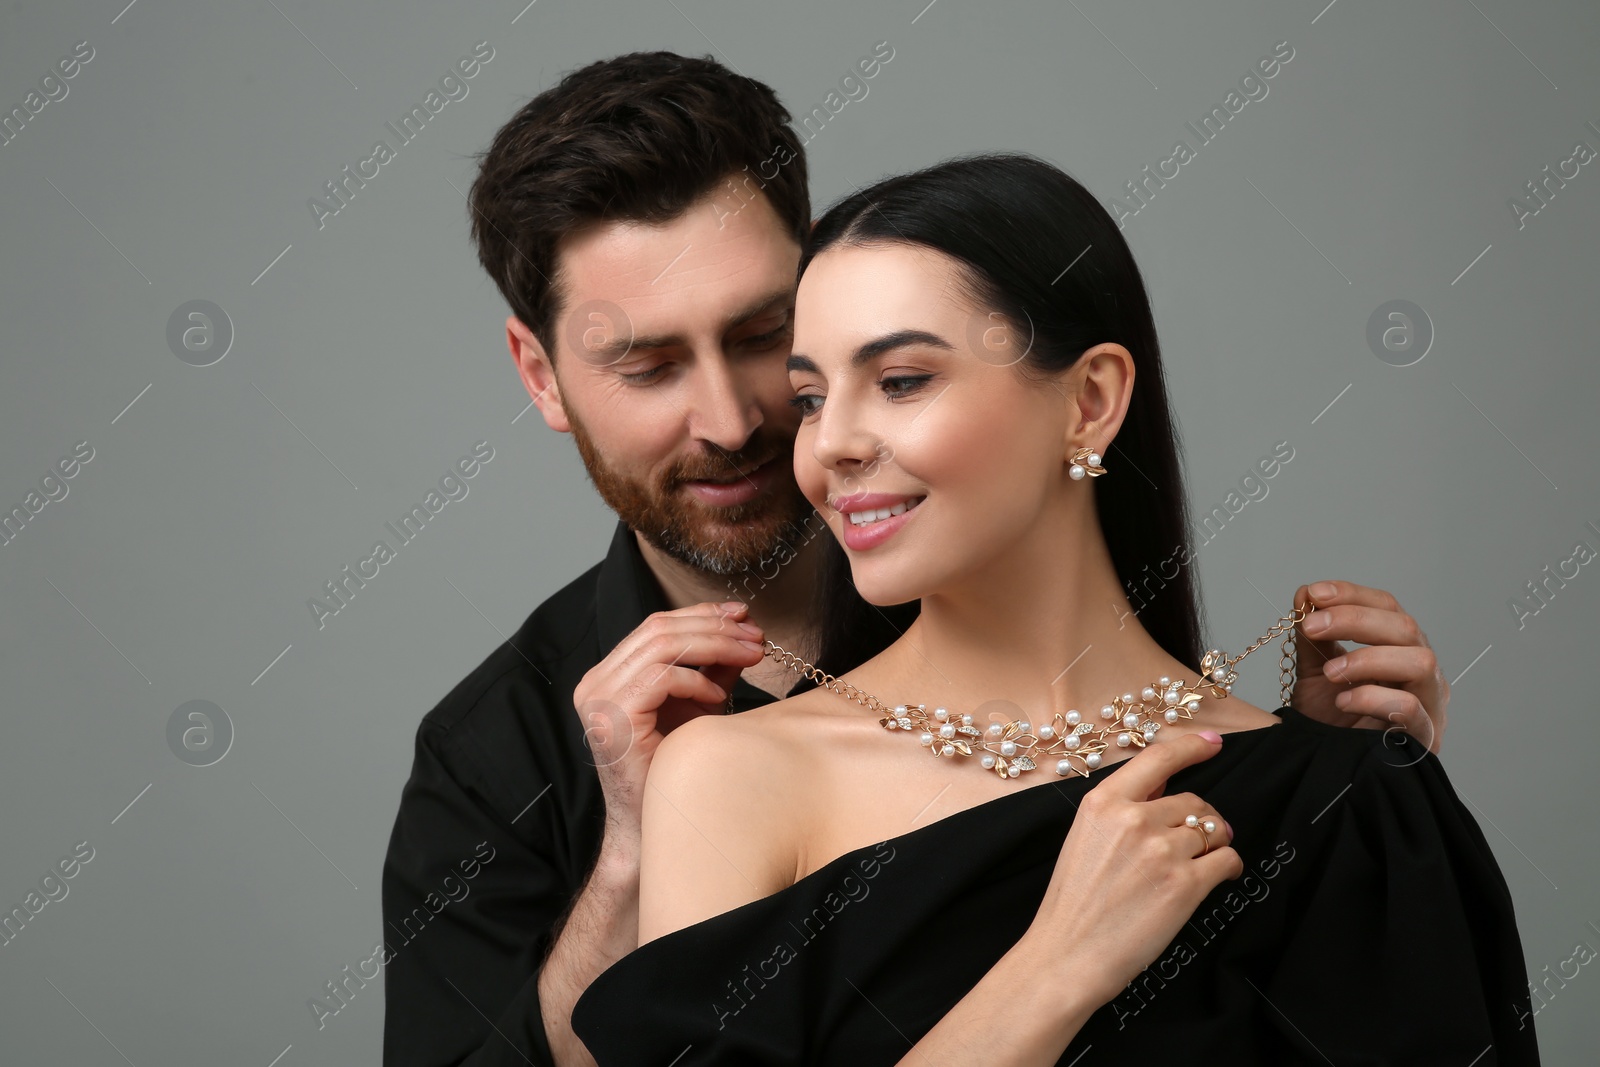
x=627 y=592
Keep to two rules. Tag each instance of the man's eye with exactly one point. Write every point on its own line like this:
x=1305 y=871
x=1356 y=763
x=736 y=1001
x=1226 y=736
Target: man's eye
x=643 y=376
x=769 y=340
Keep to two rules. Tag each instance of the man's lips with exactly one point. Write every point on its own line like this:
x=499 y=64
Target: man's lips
x=735 y=490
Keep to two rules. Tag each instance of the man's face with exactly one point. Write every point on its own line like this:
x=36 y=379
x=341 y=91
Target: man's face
x=669 y=372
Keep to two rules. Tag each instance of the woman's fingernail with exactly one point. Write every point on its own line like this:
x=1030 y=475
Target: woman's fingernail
x=1323 y=590
x=750 y=628
x=733 y=607
x=1334 y=668
x=1212 y=736
x=1315 y=624
x=1229 y=825
x=751 y=645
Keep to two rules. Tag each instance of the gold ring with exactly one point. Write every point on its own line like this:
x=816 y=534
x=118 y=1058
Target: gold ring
x=1205 y=826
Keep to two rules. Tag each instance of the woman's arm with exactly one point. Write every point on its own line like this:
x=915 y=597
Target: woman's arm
x=712 y=835
x=1085 y=944
x=1023 y=1013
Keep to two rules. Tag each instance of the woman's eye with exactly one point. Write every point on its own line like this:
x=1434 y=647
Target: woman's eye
x=904 y=385
x=802 y=403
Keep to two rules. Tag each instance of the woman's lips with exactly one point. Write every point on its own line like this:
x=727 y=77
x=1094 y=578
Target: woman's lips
x=870 y=534
x=738 y=491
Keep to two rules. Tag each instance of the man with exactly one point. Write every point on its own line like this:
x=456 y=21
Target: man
x=644 y=220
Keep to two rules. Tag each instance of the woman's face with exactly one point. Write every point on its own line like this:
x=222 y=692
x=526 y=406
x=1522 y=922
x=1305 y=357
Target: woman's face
x=911 y=403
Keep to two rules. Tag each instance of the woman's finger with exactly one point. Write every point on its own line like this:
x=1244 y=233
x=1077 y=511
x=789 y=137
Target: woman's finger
x=1146 y=773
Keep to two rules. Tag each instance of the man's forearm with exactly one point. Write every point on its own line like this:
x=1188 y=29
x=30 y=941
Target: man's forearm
x=601 y=927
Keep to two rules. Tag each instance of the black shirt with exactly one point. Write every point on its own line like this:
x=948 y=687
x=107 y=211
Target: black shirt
x=1372 y=926
x=499 y=825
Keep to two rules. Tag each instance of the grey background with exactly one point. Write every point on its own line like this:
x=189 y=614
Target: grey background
x=369 y=357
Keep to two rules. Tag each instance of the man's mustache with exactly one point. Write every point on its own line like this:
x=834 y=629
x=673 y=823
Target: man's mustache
x=723 y=469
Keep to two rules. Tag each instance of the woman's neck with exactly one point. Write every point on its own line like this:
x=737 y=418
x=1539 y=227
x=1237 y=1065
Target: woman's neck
x=1047 y=627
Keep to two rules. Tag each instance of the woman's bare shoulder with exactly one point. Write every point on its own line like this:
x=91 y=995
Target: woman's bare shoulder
x=1233 y=714
x=746 y=771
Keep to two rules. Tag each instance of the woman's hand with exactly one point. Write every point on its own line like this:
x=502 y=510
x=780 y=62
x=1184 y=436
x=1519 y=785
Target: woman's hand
x=1131 y=873
x=1395 y=682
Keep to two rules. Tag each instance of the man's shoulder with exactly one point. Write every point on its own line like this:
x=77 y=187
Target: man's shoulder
x=531 y=666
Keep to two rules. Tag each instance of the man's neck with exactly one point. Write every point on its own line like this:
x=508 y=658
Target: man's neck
x=778 y=591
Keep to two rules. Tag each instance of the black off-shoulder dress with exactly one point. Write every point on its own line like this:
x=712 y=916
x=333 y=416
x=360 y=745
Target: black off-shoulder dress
x=1372 y=926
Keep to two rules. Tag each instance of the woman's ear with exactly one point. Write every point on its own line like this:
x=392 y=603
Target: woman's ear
x=1100 y=386
x=538 y=374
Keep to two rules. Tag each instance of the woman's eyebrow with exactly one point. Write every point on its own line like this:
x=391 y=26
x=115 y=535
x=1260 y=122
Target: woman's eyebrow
x=875 y=348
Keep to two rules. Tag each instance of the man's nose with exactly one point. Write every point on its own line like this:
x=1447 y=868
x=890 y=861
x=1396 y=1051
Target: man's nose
x=726 y=407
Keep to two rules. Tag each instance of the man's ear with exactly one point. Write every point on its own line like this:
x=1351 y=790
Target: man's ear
x=538 y=374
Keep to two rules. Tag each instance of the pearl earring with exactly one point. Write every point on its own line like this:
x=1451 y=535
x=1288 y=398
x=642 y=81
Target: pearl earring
x=1085 y=461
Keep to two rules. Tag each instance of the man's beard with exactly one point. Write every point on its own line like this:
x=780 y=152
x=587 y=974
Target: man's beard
x=710 y=538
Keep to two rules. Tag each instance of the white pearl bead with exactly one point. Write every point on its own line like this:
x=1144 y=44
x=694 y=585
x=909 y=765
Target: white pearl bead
x=947 y=730
x=1046 y=732
x=1165 y=681
x=947 y=750
x=1073 y=717
x=1191 y=820
x=1094 y=459
x=941 y=714
x=1172 y=715
x=899 y=710
x=1072 y=740
x=1127 y=698
x=1108 y=712
x=1076 y=472
x=1093 y=760
x=926 y=738
x=1147 y=694
x=987 y=761
x=1008 y=748
x=966 y=720
x=996 y=729
x=1063 y=767
x=1131 y=719
x=1210 y=826
x=1024 y=727
x=1193 y=705
x=1123 y=740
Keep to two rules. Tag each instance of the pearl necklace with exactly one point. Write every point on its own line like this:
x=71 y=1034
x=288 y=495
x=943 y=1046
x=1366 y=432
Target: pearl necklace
x=1011 y=748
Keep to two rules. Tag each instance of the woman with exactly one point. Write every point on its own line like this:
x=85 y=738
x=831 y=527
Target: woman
x=815 y=889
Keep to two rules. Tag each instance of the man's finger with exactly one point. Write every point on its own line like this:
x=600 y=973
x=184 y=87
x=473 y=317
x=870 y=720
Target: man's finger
x=1328 y=593
x=1367 y=626
x=1383 y=663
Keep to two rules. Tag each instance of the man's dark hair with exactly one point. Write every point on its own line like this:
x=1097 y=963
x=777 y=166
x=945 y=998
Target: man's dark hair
x=639 y=138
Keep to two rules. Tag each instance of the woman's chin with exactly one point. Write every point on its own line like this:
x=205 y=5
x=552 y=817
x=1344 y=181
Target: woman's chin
x=886 y=592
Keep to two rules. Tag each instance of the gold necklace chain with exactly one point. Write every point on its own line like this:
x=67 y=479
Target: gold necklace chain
x=1011 y=748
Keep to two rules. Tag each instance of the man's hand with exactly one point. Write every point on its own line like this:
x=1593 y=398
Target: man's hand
x=1395 y=681
x=650 y=683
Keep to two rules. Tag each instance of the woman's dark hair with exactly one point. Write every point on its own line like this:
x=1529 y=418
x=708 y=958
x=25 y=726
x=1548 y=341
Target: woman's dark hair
x=1035 y=246
x=638 y=137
